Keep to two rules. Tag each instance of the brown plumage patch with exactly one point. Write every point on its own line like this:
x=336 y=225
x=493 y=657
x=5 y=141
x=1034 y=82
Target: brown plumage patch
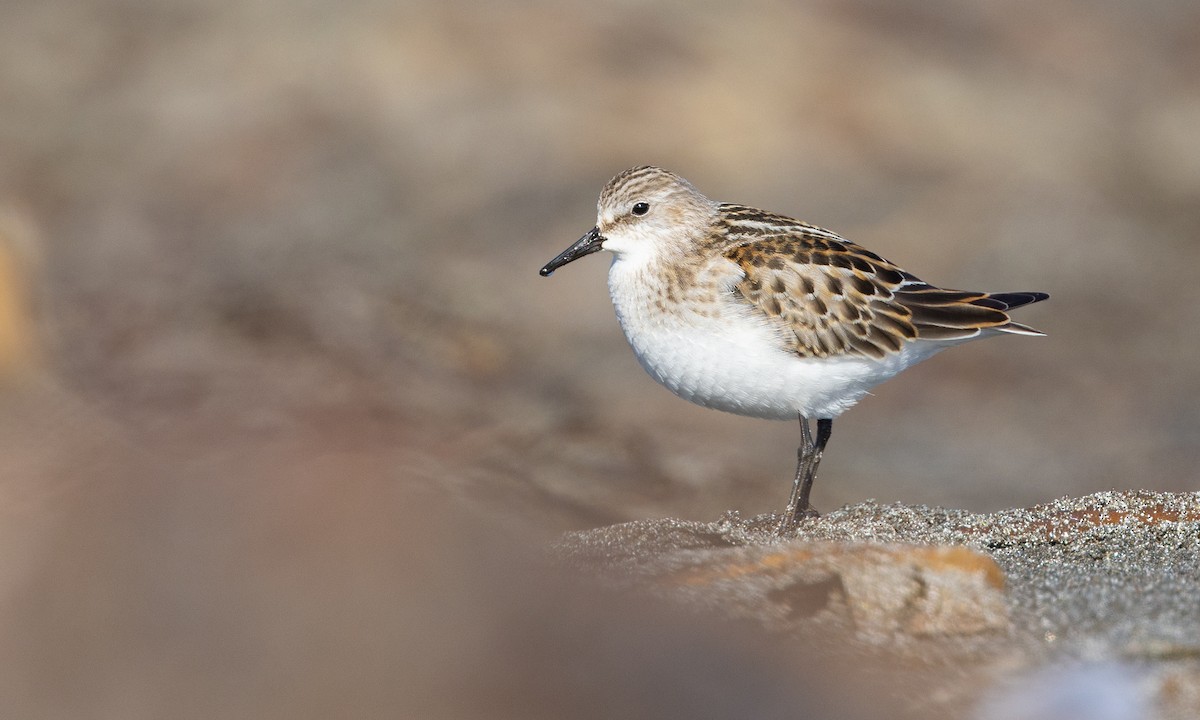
x=833 y=297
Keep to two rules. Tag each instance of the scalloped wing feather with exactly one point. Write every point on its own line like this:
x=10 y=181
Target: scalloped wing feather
x=832 y=297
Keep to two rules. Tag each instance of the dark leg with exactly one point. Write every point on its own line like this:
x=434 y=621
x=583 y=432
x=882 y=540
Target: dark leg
x=808 y=459
x=824 y=430
x=803 y=457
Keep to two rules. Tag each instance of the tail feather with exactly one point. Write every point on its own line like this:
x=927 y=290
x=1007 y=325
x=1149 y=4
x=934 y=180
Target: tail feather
x=1021 y=329
x=1017 y=299
x=939 y=314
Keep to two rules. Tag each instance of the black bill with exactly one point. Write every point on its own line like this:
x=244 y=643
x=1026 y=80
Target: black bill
x=586 y=245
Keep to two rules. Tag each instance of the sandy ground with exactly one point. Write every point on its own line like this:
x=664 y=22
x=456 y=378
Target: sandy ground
x=1100 y=589
x=280 y=380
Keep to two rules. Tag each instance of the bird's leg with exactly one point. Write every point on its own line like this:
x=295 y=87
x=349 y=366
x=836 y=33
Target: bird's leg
x=824 y=430
x=808 y=459
x=803 y=455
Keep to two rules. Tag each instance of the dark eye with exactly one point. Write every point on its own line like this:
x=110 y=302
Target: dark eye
x=641 y=208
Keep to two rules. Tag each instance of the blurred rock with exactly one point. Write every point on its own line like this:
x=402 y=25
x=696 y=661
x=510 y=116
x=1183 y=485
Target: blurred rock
x=1106 y=691
x=1109 y=577
x=881 y=592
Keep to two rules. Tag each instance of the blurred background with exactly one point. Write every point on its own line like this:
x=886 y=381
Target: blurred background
x=276 y=351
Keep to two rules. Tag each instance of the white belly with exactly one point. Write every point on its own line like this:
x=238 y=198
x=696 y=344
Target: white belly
x=728 y=357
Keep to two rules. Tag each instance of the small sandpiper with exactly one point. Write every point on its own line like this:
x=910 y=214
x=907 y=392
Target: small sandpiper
x=758 y=314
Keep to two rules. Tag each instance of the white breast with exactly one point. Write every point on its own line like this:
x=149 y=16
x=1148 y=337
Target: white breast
x=726 y=355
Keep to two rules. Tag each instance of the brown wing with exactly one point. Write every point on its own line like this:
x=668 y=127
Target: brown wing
x=836 y=298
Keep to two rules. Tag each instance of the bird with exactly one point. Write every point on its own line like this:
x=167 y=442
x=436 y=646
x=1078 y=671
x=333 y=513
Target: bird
x=762 y=315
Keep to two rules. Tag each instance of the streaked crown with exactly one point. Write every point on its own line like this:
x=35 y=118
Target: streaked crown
x=648 y=204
